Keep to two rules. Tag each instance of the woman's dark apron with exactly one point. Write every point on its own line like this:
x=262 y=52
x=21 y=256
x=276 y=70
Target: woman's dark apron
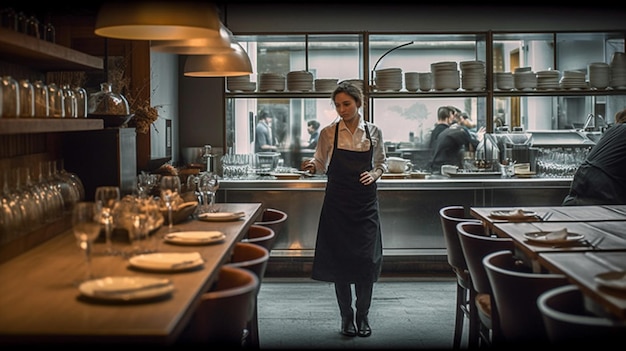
x=348 y=247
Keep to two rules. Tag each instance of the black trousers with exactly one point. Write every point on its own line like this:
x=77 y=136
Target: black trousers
x=363 y=292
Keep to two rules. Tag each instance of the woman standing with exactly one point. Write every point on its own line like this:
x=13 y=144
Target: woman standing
x=348 y=249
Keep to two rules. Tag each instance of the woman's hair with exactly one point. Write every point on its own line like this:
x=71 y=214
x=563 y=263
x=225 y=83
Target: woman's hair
x=620 y=117
x=350 y=89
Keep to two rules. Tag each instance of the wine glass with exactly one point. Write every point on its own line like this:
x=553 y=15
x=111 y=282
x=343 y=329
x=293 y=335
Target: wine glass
x=208 y=185
x=170 y=188
x=106 y=198
x=86 y=228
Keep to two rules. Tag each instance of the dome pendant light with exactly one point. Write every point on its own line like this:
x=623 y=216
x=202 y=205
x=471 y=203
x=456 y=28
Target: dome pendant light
x=229 y=64
x=214 y=44
x=157 y=20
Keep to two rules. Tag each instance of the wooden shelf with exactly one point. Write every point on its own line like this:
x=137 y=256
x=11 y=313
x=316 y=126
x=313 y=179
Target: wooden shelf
x=26 y=50
x=48 y=125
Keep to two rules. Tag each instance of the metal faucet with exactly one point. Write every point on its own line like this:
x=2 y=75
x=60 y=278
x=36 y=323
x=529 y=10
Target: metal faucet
x=588 y=121
x=593 y=118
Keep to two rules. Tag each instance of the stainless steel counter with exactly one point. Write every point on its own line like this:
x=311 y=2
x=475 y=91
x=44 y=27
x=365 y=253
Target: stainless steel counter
x=409 y=207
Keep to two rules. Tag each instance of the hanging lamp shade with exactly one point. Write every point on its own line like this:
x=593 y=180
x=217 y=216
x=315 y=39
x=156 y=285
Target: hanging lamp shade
x=229 y=64
x=158 y=20
x=211 y=44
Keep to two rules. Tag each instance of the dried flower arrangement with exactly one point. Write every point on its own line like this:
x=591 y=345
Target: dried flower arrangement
x=145 y=115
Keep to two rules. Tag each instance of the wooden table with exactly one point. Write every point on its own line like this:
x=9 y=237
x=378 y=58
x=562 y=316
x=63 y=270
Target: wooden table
x=581 y=268
x=40 y=302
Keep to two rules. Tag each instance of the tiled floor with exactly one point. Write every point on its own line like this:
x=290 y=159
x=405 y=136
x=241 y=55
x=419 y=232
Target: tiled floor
x=406 y=313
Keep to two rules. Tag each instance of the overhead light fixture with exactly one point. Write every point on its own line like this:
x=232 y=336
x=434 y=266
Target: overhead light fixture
x=159 y=20
x=228 y=64
x=212 y=44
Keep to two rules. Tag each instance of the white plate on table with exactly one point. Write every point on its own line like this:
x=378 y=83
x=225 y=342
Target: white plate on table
x=513 y=214
x=167 y=261
x=221 y=216
x=195 y=237
x=613 y=280
x=544 y=237
x=126 y=288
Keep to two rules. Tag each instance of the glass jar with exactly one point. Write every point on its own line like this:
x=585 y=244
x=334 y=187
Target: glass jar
x=81 y=101
x=55 y=101
x=42 y=108
x=27 y=98
x=69 y=101
x=10 y=107
x=107 y=103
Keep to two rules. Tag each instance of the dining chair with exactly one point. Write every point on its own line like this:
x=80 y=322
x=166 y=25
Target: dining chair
x=515 y=290
x=253 y=258
x=260 y=235
x=450 y=216
x=568 y=322
x=224 y=311
x=275 y=219
x=476 y=243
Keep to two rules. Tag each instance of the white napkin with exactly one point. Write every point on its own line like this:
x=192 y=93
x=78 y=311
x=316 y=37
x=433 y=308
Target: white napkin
x=519 y=213
x=167 y=260
x=560 y=234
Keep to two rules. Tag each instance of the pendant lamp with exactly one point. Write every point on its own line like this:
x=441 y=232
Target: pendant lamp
x=228 y=64
x=157 y=20
x=211 y=44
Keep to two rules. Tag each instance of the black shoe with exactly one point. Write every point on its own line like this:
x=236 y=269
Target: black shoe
x=364 y=327
x=347 y=326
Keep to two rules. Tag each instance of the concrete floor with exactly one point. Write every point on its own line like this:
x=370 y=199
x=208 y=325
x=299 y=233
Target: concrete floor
x=406 y=313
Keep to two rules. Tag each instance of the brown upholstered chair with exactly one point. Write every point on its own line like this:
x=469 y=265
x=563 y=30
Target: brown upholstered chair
x=253 y=258
x=224 y=311
x=515 y=290
x=274 y=219
x=476 y=244
x=260 y=235
x=450 y=216
x=569 y=323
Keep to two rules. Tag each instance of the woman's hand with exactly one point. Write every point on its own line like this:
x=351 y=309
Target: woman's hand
x=308 y=165
x=369 y=177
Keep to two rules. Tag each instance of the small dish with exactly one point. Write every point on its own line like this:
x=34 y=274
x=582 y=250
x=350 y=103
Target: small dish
x=513 y=214
x=545 y=238
x=195 y=238
x=613 y=280
x=126 y=288
x=525 y=174
x=221 y=216
x=286 y=176
x=167 y=261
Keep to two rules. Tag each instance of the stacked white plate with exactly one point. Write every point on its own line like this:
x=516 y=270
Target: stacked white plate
x=524 y=79
x=504 y=80
x=299 y=81
x=548 y=80
x=445 y=75
x=271 y=82
x=473 y=76
x=240 y=83
x=599 y=74
x=356 y=82
x=411 y=81
x=618 y=71
x=573 y=80
x=326 y=84
x=389 y=79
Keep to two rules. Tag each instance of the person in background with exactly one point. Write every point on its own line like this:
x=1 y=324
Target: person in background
x=601 y=178
x=451 y=144
x=445 y=116
x=312 y=127
x=348 y=248
x=264 y=140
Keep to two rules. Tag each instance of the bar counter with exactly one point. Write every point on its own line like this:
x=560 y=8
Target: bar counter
x=40 y=302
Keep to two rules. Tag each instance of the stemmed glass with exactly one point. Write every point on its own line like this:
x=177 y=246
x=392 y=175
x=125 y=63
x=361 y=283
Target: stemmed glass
x=170 y=187
x=86 y=227
x=106 y=198
x=208 y=185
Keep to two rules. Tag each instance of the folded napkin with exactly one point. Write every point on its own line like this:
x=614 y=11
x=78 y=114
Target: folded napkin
x=167 y=259
x=195 y=236
x=560 y=234
x=126 y=286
